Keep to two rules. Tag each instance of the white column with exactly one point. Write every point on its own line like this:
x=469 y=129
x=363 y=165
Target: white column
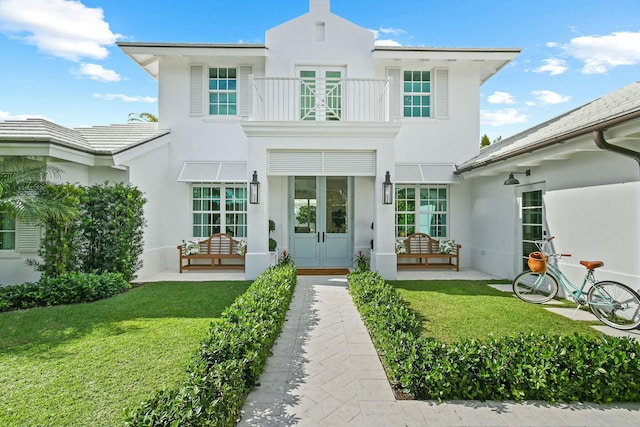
x=383 y=257
x=257 y=257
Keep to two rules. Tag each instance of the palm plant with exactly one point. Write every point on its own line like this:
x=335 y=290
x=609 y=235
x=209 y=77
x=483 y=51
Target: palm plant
x=22 y=182
x=142 y=117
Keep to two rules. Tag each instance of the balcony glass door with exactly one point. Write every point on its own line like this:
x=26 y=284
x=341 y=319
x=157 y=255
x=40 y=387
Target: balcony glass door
x=320 y=218
x=320 y=93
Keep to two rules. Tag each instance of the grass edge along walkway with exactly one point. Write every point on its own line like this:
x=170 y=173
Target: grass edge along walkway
x=230 y=359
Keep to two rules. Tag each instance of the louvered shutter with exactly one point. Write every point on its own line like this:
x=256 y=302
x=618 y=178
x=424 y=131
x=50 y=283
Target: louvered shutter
x=395 y=93
x=243 y=88
x=27 y=237
x=327 y=163
x=442 y=93
x=197 y=90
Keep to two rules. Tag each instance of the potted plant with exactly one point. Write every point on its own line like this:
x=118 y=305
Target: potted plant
x=361 y=261
x=272 y=243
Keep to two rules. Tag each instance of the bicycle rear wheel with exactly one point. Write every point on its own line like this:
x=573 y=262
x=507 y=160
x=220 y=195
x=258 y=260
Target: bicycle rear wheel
x=615 y=304
x=535 y=288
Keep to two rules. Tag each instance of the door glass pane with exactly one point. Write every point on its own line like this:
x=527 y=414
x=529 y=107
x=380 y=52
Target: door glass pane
x=308 y=95
x=333 y=95
x=337 y=213
x=305 y=203
x=532 y=215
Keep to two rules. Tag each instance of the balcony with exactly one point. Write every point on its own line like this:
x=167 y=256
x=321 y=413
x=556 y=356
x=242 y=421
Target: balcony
x=318 y=99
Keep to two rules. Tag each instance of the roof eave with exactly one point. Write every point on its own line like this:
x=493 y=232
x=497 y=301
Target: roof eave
x=558 y=139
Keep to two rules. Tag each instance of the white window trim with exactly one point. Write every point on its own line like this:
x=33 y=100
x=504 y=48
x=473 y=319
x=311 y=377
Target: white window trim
x=222 y=212
x=417 y=212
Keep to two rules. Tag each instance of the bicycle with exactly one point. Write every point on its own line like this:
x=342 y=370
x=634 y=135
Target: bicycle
x=613 y=303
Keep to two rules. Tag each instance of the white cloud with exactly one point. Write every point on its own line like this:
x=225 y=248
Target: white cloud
x=387 y=31
x=4 y=115
x=125 y=98
x=553 y=66
x=394 y=31
x=97 y=72
x=63 y=28
x=549 y=97
x=507 y=116
x=551 y=44
x=602 y=53
x=501 y=98
x=387 y=42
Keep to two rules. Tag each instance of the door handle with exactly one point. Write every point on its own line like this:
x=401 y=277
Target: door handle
x=323 y=237
x=318 y=236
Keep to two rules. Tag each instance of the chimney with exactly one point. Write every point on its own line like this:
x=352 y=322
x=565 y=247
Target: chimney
x=319 y=7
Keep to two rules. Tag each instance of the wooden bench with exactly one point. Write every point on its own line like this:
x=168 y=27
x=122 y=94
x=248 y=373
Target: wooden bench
x=215 y=249
x=422 y=247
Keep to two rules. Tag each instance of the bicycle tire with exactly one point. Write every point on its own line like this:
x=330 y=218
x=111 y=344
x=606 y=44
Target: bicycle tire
x=615 y=304
x=535 y=288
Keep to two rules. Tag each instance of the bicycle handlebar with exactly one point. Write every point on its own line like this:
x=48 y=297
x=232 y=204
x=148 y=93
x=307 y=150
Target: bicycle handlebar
x=541 y=243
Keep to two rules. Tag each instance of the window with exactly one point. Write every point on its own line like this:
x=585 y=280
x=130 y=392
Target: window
x=532 y=225
x=223 y=92
x=421 y=209
x=219 y=208
x=7 y=231
x=417 y=94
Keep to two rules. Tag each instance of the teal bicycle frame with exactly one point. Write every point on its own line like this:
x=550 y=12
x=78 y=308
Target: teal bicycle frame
x=615 y=304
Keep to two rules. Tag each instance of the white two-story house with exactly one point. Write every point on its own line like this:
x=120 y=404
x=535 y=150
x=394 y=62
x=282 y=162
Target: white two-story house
x=320 y=117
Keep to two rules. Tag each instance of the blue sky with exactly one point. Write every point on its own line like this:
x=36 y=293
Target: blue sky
x=60 y=61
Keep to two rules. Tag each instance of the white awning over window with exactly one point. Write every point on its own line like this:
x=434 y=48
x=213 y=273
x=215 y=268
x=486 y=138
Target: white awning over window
x=213 y=172
x=425 y=173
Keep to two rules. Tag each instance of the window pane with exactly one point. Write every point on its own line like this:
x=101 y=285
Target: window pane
x=222 y=91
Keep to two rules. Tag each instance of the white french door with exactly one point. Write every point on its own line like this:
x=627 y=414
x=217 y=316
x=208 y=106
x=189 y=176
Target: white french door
x=321 y=93
x=320 y=218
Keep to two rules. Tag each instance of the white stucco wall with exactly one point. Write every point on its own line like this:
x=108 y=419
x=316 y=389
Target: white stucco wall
x=592 y=203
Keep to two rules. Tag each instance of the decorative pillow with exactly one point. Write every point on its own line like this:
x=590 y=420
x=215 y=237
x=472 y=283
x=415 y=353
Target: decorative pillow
x=191 y=247
x=400 y=247
x=242 y=247
x=447 y=246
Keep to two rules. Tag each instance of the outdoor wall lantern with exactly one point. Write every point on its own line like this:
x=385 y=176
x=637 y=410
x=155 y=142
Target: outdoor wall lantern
x=512 y=181
x=387 y=190
x=254 y=189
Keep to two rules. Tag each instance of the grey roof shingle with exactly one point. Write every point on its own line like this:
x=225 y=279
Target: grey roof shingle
x=94 y=140
x=616 y=104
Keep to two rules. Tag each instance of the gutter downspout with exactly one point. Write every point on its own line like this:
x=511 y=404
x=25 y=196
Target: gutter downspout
x=598 y=138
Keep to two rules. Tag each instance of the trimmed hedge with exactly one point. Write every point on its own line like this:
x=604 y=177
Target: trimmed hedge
x=522 y=367
x=68 y=288
x=229 y=360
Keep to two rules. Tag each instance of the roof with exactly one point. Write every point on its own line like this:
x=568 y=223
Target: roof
x=617 y=106
x=94 y=140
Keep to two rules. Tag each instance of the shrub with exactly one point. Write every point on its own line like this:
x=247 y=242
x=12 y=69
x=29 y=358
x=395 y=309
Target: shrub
x=532 y=367
x=105 y=236
x=68 y=288
x=229 y=361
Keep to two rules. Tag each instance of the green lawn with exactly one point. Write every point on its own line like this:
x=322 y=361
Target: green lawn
x=81 y=365
x=456 y=309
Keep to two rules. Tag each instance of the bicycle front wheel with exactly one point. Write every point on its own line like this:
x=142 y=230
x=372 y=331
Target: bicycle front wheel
x=615 y=304
x=535 y=288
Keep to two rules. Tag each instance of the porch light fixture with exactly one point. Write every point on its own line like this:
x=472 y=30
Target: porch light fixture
x=513 y=181
x=254 y=189
x=387 y=190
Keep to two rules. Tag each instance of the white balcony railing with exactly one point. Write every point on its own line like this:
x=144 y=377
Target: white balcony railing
x=318 y=99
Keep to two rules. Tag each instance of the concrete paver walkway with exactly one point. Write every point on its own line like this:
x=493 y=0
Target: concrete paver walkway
x=325 y=372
